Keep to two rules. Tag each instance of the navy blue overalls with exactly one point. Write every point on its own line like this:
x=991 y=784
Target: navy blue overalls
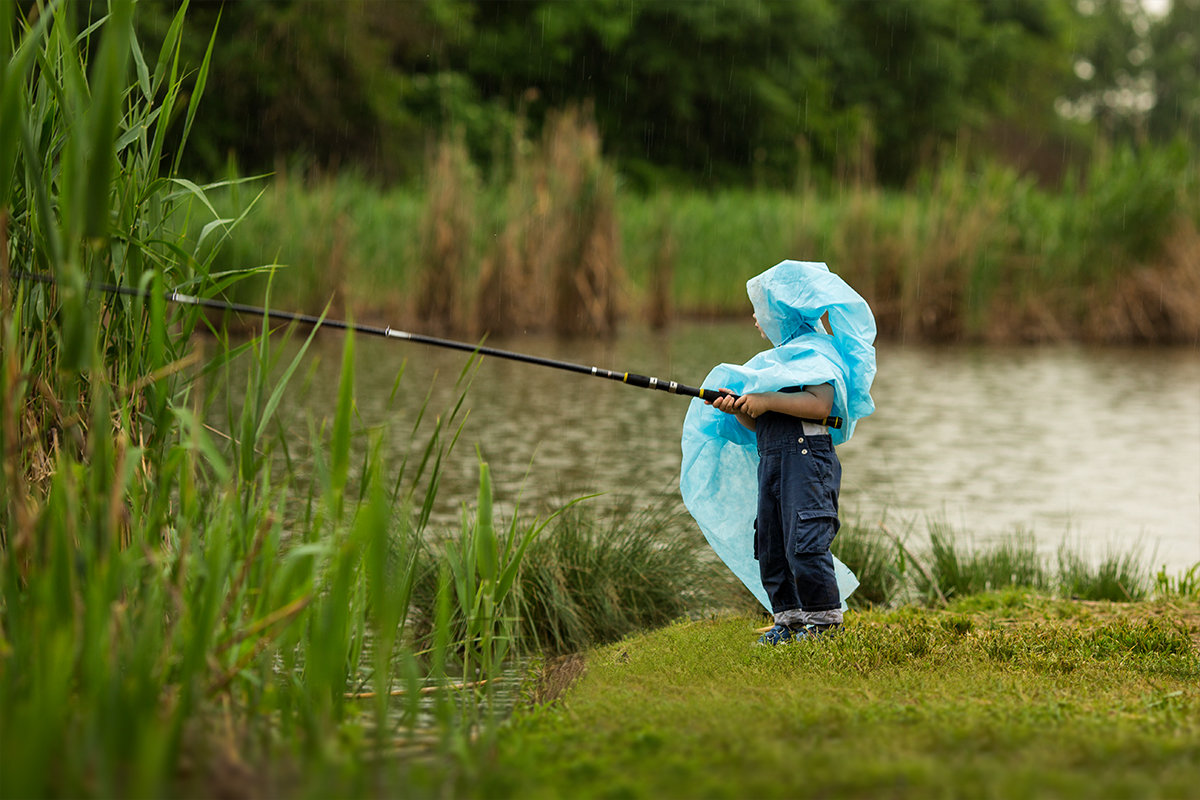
x=799 y=477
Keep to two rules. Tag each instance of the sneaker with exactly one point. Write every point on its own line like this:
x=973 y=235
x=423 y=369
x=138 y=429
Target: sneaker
x=780 y=634
x=815 y=631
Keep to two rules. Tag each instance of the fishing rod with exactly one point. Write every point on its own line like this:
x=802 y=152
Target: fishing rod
x=387 y=332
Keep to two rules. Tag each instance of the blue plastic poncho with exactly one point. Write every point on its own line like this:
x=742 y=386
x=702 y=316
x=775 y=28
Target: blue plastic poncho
x=719 y=474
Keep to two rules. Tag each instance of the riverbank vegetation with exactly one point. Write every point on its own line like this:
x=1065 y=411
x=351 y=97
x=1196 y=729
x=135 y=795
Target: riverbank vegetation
x=972 y=254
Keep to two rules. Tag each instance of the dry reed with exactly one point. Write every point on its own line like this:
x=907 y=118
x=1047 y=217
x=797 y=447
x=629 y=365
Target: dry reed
x=512 y=295
x=446 y=235
x=587 y=271
x=662 y=272
x=556 y=262
x=1155 y=303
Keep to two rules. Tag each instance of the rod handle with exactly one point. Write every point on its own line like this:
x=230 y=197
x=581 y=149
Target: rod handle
x=713 y=394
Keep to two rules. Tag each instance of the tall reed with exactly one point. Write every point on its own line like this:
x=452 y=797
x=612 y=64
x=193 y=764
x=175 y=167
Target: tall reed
x=512 y=293
x=167 y=615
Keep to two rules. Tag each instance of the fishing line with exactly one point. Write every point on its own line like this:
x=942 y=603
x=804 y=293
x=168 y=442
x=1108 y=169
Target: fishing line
x=388 y=332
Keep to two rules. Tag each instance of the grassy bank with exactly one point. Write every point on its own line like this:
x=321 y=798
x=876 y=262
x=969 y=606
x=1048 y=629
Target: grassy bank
x=998 y=695
x=967 y=254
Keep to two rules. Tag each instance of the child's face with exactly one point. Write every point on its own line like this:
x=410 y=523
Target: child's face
x=760 y=330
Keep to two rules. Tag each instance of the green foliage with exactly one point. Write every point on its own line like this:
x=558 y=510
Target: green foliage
x=309 y=81
x=592 y=579
x=1136 y=77
x=1174 y=55
x=716 y=94
x=1132 y=202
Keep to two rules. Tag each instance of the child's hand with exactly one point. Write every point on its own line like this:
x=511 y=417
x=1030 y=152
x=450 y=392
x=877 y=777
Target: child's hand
x=752 y=405
x=732 y=404
x=725 y=402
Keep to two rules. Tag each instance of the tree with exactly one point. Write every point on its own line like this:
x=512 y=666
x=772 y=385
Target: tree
x=1138 y=76
x=1175 y=64
x=744 y=90
x=710 y=93
x=295 y=79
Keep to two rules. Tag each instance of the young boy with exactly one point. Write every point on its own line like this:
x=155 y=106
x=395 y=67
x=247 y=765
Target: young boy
x=762 y=478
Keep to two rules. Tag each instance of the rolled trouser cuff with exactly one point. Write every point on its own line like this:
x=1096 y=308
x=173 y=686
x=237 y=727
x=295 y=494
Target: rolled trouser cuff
x=798 y=617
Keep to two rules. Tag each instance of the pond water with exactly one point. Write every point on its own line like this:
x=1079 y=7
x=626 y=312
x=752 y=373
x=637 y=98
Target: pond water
x=1098 y=449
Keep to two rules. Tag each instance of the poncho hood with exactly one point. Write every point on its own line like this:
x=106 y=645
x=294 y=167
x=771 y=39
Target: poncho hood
x=718 y=477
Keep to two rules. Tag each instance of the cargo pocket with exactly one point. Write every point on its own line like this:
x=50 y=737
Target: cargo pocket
x=814 y=532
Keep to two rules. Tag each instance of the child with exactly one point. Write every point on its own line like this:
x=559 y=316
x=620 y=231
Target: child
x=762 y=478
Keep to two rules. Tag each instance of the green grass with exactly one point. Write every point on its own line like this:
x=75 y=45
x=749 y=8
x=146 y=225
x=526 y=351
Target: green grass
x=952 y=566
x=954 y=573
x=1022 y=697
x=1121 y=576
x=594 y=579
x=878 y=563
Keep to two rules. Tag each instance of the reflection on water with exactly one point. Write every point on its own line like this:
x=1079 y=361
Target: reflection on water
x=1098 y=448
